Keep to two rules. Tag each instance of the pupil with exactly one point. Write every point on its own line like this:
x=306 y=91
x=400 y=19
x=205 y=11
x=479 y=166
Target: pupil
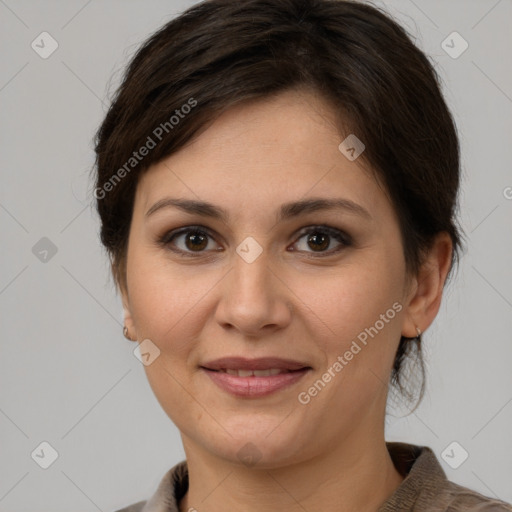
x=196 y=241
x=316 y=238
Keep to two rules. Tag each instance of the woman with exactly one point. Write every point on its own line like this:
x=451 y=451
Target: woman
x=277 y=185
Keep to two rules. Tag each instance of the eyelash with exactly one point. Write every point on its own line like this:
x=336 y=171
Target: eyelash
x=340 y=236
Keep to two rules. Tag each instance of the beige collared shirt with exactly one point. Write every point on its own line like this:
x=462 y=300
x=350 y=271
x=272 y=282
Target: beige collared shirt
x=424 y=489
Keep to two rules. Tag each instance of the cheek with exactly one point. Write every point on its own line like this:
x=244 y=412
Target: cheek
x=169 y=302
x=165 y=302
x=159 y=297
x=358 y=312
x=360 y=326
x=345 y=302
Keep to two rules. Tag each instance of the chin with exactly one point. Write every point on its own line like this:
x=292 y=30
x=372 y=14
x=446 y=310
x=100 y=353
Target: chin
x=255 y=444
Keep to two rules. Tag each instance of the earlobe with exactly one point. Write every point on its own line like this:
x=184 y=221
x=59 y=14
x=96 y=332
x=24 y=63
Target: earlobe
x=427 y=289
x=128 y=326
x=126 y=333
x=129 y=331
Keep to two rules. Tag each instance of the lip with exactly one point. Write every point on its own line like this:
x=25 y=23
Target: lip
x=261 y=363
x=253 y=386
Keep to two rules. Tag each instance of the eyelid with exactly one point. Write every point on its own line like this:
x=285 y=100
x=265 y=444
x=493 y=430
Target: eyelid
x=166 y=239
x=338 y=234
x=341 y=236
x=331 y=231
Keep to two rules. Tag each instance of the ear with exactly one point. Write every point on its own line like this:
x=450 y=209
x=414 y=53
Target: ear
x=426 y=288
x=127 y=312
x=128 y=323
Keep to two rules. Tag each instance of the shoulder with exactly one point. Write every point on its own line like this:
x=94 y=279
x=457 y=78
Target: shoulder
x=426 y=487
x=170 y=490
x=460 y=498
x=135 y=507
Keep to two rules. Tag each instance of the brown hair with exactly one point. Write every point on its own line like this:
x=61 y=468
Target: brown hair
x=220 y=53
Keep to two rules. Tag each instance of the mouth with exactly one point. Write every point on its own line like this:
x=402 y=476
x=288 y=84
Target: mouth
x=251 y=378
x=252 y=373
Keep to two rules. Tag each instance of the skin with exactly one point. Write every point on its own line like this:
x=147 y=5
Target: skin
x=330 y=453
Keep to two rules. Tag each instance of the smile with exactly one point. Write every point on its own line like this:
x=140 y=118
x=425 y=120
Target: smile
x=253 y=373
x=254 y=378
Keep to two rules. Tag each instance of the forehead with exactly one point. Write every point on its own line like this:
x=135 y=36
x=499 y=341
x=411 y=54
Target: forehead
x=263 y=153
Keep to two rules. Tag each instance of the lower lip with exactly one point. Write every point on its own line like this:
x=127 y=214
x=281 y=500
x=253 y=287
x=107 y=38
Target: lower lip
x=253 y=387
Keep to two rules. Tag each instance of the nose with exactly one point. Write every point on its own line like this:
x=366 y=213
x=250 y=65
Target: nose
x=254 y=300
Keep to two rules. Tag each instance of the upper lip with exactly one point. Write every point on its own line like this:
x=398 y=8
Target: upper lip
x=261 y=363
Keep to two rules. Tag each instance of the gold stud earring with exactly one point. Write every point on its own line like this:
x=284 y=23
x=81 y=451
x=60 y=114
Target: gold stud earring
x=125 y=333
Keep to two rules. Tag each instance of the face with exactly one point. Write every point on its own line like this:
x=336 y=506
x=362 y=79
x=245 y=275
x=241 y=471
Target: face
x=320 y=287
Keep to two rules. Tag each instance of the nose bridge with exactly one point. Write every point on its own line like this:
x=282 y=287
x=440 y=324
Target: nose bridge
x=252 y=297
x=251 y=277
x=253 y=263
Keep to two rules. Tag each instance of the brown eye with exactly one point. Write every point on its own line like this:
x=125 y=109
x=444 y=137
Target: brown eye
x=188 y=240
x=196 y=240
x=318 y=239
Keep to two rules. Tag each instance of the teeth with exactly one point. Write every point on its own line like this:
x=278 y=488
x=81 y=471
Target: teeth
x=255 y=373
x=266 y=373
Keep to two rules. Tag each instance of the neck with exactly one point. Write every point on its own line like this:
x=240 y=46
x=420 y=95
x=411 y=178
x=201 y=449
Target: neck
x=352 y=477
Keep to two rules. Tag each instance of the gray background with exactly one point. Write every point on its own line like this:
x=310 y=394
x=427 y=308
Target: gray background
x=68 y=377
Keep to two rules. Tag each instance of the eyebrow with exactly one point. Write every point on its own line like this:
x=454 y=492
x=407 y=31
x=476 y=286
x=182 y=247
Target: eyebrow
x=287 y=210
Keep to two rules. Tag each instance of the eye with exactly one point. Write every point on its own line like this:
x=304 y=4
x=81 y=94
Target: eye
x=198 y=240
x=189 y=240
x=320 y=238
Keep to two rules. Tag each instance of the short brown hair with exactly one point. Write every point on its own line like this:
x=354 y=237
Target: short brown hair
x=220 y=53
